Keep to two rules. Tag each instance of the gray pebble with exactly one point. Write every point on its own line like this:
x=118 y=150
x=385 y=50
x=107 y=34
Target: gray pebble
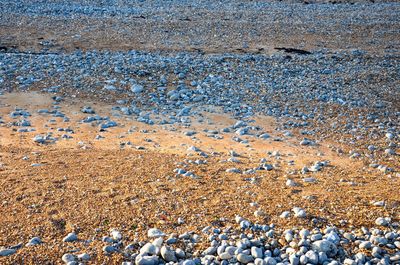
x=148 y=248
x=154 y=232
x=244 y=258
x=325 y=246
x=34 y=241
x=7 y=252
x=68 y=258
x=146 y=260
x=109 y=249
x=71 y=237
x=167 y=254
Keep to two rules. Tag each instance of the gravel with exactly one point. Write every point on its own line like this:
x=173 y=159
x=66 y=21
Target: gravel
x=319 y=93
x=271 y=70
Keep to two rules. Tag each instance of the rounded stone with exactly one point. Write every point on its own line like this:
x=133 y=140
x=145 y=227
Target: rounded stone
x=71 y=237
x=225 y=255
x=109 y=249
x=244 y=258
x=84 y=256
x=68 y=258
x=148 y=248
x=167 y=254
x=325 y=246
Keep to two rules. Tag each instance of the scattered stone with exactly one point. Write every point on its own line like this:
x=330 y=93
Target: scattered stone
x=67 y=258
x=84 y=257
x=382 y=221
x=306 y=142
x=154 y=232
x=285 y=214
x=135 y=88
x=7 y=252
x=264 y=136
x=259 y=213
x=299 y=213
x=116 y=235
x=88 y=110
x=71 y=237
x=233 y=170
x=291 y=183
x=109 y=249
x=34 y=241
x=39 y=139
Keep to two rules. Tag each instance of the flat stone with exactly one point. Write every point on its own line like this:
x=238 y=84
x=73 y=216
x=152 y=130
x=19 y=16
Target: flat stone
x=7 y=252
x=233 y=170
x=146 y=260
x=154 y=232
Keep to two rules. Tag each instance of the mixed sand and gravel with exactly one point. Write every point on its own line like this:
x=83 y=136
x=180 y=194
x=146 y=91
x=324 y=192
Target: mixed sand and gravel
x=199 y=132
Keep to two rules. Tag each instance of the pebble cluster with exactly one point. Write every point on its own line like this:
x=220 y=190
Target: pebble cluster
x=249 y=243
